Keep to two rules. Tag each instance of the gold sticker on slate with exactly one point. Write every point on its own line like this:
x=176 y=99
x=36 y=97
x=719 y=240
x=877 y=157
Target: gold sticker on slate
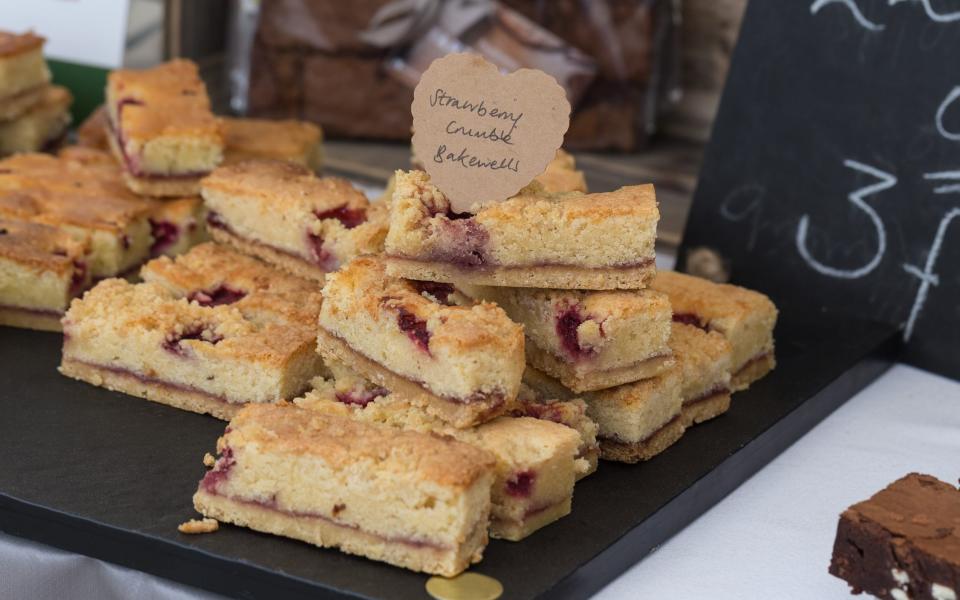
x=465 y=586
x=483 y=135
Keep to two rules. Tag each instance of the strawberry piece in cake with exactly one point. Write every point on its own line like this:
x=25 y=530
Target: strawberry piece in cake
x=23 y=73
x=215 y=275
x=161 y=128
x=207 y=332
x=286 y=215
x=41 y=269
x=463 y=364
x=82 y=201
x=177 y=225
x=637 y=420
x=410 y=499
x=745 y=317
x=535 y=239
x=290 y=140
x=42 y=127
x=589 y=340
x=535 y=458
x=703 y=359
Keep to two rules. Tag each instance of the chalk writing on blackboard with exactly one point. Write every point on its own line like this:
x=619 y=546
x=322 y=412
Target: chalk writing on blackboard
x=927 y=276
x=854 y=9
x=938 y=17
x=951 y=98
x=949 y=188
x=857 y=198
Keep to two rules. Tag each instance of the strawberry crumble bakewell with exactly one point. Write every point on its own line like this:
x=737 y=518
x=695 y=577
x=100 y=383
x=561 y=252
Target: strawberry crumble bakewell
x=191 y=340
x=290 y=140
x=745 y=317
x=535 y=239
x=42 y=127
x=535 y=459
x=161 y=128
x=41 y=270
x=637 y=420
x=703 y=359
x=60 y=193
x=23 y=73
x=411 y=499
x=214 y=275
x=286 y=215
x=463 y=364
x=589 y=340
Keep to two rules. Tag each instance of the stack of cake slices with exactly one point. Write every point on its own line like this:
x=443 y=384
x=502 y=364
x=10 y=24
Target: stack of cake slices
x=34 y=115
x=86 y=215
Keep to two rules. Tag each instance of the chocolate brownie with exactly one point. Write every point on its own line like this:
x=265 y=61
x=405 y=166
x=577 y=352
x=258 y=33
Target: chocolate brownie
x=902 y=543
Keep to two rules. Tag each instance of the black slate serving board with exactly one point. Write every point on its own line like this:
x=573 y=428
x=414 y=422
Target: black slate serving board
x=110 y=476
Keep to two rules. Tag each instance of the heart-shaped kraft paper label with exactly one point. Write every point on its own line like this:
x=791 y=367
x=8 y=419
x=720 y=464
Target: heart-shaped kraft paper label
x=482 y=135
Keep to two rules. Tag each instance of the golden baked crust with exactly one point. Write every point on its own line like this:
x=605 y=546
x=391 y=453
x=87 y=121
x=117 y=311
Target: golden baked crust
x=12 y=44
x=290 y=140
x=175 y=102
x=562 y=175
x=14 y=105
x=639 y=451
x=704 y=409
x=284 y=185
x=209 y=268
x=342 y=442
x=40 y=127
x=40 y=247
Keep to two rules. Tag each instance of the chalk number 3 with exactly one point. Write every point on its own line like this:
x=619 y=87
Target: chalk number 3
x=857 y=198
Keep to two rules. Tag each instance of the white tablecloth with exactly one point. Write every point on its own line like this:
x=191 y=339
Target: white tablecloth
x=771 y=538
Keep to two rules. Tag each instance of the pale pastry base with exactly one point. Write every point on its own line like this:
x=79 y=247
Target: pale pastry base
x=544 y=276
x=26 y=319
x=155 y=391
x=290 y=264
x=146 y=186
x=458 y=414
x=634 y=452
x=752 y=371
x=705 y=409
x=326 y=534
x=595 y=380
x=514 y=531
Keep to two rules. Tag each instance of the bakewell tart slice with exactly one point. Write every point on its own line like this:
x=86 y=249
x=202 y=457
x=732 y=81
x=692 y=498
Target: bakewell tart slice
x=291 y=140
x=535 y=239
x=283 y=213
x=589 y=340
x=535 y=459
x=410 y=499
x=23 y=72
x=571 y=413
x=745 y=317
x=67 y=195
x=637 y=420
x=92 y=132
x=216 y=275
x=161 y=128
x=463 y=364
x=42 y=127
x=41 y=269
x=703 y=359
x=197 y=355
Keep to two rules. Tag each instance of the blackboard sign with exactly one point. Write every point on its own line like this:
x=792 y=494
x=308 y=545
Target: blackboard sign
x=832 y=180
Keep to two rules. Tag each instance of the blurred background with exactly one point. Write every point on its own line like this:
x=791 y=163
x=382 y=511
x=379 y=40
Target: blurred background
x=643 y=76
